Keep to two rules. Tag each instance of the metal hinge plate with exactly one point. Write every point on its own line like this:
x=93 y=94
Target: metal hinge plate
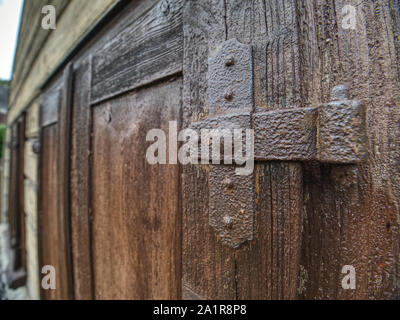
x=230 y=88
x=331 y=133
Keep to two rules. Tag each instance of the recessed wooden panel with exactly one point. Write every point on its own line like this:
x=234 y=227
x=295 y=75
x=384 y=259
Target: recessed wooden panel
x=136 y=217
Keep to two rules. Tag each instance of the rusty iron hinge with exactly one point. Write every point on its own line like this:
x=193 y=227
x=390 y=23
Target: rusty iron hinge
x=330 y=133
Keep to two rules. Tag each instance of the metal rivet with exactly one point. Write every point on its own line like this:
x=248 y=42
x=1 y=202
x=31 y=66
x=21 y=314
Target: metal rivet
x=229 y=61
x=229 y=95
x=228 y=222
x=229 y=183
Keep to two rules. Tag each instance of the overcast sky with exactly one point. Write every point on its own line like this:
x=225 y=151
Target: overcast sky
x=10 y=11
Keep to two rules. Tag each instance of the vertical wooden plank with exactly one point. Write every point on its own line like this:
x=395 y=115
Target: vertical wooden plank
x=52 y=233
x=352 y=211
x=63 y=181
x=136 y=208
x=208 y=266
x=49 y=244
x=80 y=183
x=271 y=28
x=266 y=267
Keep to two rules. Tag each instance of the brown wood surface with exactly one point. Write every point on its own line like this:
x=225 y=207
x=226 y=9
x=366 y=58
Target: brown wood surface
x=53 y=198
x=351 y=212
x=136 y=210
x=146 y=50
x=63 y=180
x=335 y=215
x=80 y=183
x=50 y=248
x=311 y=219
x=266 y=267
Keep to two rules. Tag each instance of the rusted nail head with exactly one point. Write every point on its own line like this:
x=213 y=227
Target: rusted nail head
x=229 y=95
x=228 y=222
x=229 y=183
x=229 y=61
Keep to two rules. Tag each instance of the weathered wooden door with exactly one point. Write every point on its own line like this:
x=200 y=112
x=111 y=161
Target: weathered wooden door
x=154 y=231
x=125 y=212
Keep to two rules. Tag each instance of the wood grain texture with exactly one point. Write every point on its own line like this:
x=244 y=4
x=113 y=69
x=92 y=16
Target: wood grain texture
x=271 y=27
x=310 y=219
x=80 y=183
x=148 y=49
x=136 y=209
x=208 y=266
x=49 y=244
x=53 y=187
x=210 y=269
x=351 y=212
x=63 y=180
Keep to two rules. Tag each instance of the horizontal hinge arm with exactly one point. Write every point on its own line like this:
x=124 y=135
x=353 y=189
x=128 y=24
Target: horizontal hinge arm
x=332 y=133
